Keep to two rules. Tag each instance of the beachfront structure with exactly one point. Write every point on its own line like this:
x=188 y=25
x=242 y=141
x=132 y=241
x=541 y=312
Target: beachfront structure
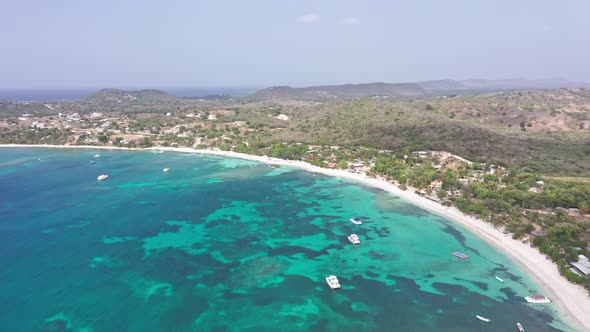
x=436 y=184
x=582 y=266
x=455 y=192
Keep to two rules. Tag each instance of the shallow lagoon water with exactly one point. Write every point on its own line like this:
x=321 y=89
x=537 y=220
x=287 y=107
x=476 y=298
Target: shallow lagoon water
x=222 y=244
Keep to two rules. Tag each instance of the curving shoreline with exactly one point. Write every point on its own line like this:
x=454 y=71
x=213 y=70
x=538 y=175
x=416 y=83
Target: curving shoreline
x=572 y=299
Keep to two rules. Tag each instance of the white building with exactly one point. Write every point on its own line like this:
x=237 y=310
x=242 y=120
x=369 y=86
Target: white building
x=74 y=117
x=582 y=266
x=38 y=125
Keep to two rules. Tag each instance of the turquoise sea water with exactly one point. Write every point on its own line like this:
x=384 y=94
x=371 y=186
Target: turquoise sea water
x=232 y=245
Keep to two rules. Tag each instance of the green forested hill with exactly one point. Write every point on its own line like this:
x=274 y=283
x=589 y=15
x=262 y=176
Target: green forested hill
x=547 y=131
x=339 y=92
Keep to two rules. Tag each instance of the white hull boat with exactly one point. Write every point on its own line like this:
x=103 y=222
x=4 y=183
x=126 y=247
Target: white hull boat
x=539 y=299
x=356 y=221
x=354 y=239
x=333 y=282
x=483 y=319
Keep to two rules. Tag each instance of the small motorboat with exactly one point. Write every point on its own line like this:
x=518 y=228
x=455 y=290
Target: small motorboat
x=333 y=282
x=96 y=156
x=93 y=162
x=519 y=327
x=483 y=319
x=102 y=177
x=537 y=299
x=499 y=279
x=356 y=221
x=354 y=239
x=166 y=170
x=460 y=255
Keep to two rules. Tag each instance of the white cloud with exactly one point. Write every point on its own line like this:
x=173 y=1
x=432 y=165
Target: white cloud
x=309 y=18
x=349 y=21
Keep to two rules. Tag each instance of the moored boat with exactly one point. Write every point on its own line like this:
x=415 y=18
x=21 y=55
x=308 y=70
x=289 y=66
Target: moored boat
x=356 y=221
x=102 y=177
x=499 y=279
x=166 y=170
x=96 y=156
x=519 y=327
x=537 y=299
x=483 y=319
x=460 y=255
x=354 y=239
x=333 y=282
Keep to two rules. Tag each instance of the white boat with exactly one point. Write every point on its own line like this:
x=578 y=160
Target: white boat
x=354 y=239
x=102 y=177
x=166 y=170
x=519 y=327
x=160 y=151
x=96 y=156
x=537 y=299
x=333 y=282
x=483 y=319
x=499 y=279
x=356 y=221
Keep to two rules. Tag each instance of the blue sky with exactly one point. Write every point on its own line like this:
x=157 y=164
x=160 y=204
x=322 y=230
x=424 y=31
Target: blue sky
x=147 y=43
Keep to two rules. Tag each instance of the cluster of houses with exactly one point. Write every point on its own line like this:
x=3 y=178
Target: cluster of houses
x=69 y=118
x=74 y=117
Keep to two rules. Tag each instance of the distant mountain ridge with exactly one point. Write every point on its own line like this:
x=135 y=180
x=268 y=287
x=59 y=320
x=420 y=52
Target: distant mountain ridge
x=425 y=88
x=346 y=91
x=475 y=86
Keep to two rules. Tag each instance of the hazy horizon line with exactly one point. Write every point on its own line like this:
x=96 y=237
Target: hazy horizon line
x=291 y=84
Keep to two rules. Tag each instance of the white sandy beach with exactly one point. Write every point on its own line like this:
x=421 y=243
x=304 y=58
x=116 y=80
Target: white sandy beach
x=573 y=300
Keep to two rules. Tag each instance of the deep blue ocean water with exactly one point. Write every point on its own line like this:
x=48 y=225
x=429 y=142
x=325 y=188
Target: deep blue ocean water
x=232 y=245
